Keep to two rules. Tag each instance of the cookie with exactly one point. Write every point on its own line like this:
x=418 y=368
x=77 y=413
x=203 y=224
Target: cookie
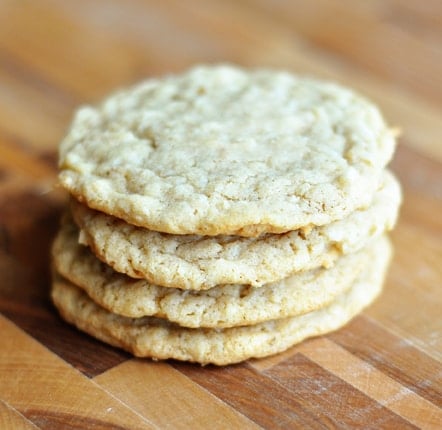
x=224 y=306
x=223 y=150
x=201 y=262
x=161 y=339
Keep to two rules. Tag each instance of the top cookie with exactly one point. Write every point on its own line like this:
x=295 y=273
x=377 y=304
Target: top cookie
x=222 y=150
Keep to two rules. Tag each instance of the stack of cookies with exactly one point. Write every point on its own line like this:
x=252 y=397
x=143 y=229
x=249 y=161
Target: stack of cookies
x=223 y=214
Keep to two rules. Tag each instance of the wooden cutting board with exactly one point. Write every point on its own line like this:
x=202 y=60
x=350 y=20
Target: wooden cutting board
x=382 y=371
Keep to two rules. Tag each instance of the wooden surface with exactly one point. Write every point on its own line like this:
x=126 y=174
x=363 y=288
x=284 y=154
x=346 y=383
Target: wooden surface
x=382 y=371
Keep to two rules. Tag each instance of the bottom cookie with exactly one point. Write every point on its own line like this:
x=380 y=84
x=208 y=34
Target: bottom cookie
x=161 y=339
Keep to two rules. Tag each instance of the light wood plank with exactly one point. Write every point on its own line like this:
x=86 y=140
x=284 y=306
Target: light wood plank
x=47 y=390
x=11 y=419
x=22 y=161
x=31 y=112
x=364 y=34
x=411 y=303
x=168 y=398
x=251 y=38
x=423 y=19
x=172 y=30
x=80 y=62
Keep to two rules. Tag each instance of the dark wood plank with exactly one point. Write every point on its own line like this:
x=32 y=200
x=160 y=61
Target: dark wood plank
x=49 y=420
x=256 y=396
x=28 y=222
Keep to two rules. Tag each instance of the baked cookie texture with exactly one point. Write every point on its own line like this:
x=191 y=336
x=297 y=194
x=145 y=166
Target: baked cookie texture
x=200 y=262
x=224 y=150
x=223 y=306
x=223 y=214
x=161 y=339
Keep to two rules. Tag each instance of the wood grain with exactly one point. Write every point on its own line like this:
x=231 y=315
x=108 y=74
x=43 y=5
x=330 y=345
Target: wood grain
x=246 y=390
x=378 y=43
x=50 y=393
x=11 y=419
x=169 y=398
x=370 y=381
x=392 y=356
x=322 y=390
x=383 y=370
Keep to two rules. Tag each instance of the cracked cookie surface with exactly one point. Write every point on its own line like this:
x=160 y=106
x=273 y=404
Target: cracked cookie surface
x=223 y=150
x=202 y=262
x=224 y=306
